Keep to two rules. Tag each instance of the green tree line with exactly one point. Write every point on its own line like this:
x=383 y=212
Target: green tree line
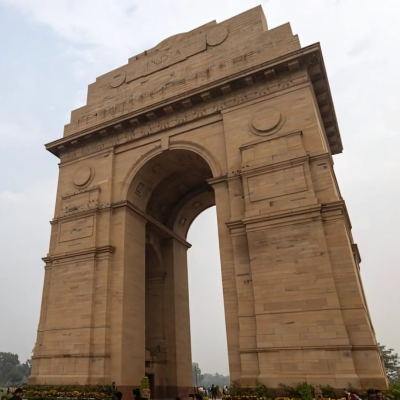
x=12 y=372
x=206 y=379
x=392 y=364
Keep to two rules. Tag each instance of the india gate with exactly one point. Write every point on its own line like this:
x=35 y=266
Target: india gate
x=230 y=114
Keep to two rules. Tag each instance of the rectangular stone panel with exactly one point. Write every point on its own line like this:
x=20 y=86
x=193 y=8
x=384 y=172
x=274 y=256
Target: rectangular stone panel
x=277 y=184
x=77 y=229
x=69 y=305
x=272 y=151
x=303 y=328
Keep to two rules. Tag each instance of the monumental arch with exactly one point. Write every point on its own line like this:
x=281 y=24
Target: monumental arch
x=231 y=114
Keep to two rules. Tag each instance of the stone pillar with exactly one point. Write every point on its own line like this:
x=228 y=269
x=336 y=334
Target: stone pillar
x=178 y=380
x=246 y=310
x=100 y=340
x=229 y=283
x=36 y=359
x=128 y=300
x=72 y=347
x=155 y=314
x=365 y=355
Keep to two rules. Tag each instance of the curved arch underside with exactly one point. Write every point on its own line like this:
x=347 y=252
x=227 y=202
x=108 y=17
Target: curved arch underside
x=172 y=188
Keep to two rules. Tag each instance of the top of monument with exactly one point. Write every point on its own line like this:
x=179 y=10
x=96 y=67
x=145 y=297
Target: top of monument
x=185 y=64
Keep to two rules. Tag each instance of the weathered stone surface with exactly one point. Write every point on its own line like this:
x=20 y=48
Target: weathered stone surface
x=233 y=115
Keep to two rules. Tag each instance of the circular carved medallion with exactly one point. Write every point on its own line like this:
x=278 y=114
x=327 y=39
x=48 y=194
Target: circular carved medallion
x=118 y=79
x=267 y=121
x=82 y=176
x=216 y=35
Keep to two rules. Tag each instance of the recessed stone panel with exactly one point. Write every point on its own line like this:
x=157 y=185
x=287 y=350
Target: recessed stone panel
x=276 y=184
x=76 y=229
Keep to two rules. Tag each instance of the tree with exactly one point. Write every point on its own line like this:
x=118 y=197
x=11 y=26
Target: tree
x=196 y=374
x=12 y=372
x=206 y=379
x=392 y=363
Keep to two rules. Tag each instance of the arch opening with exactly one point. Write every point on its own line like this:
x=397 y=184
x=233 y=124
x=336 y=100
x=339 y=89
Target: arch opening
x=170 y=190
x=206 y=303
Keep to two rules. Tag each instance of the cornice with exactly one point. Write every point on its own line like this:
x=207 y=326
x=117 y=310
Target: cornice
x=310 y=56
x=325 y=212
x=336 y=210
x=74 y=355
x=356 y=253
x=297 y=215
x=268 y=139
x=291 y=162
x=327 y=348
x=90 y=252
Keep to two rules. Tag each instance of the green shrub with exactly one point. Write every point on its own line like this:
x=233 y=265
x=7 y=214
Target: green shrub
x=305 y=391
x=395 y=390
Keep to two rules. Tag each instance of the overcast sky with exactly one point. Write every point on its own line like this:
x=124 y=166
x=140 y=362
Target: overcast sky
x=50 y=50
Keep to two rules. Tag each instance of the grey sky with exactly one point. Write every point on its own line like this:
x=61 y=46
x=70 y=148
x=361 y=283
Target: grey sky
x=52 y=49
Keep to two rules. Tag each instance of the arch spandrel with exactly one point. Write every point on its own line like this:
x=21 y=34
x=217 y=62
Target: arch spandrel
x=167 y=181
x=186 y=213
x=186 y=145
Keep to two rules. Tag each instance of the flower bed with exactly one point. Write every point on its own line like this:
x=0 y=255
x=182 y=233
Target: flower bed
x=254 y=397
x=68 y=392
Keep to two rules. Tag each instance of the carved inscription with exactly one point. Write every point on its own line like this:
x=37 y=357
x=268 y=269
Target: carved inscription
x=181 y=118
x=179 y=80
x=78 y=229
x=81 y=201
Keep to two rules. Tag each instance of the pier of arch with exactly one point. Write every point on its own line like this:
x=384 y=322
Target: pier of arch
x=234 y=115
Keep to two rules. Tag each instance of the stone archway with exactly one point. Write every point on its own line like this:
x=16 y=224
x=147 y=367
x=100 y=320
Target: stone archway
x=234 y=114
x=171 y=189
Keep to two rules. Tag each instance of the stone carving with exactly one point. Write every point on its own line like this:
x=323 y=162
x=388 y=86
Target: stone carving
x=216 y=35
x=181 y=118
x=118 y=79
x=180 y=65
x=267 y=121
x=82 y=200
x=77 y=229
x=82 y=176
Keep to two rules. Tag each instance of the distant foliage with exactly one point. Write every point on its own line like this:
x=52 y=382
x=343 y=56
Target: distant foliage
x=12 y=372
x=395 y=391
x=392 y=364
x=206 y=379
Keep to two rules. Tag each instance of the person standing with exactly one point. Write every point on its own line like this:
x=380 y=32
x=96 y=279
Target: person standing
x=213 y=392
x=17 y=394
x=352 y=395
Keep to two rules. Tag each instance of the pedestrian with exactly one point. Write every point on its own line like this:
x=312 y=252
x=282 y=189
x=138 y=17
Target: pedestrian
x=378 y=395
x=213 y=392
x=352 y=395
x=17 y=394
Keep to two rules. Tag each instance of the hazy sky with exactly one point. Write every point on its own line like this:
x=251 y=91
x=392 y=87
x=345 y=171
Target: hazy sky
x=50 y=50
